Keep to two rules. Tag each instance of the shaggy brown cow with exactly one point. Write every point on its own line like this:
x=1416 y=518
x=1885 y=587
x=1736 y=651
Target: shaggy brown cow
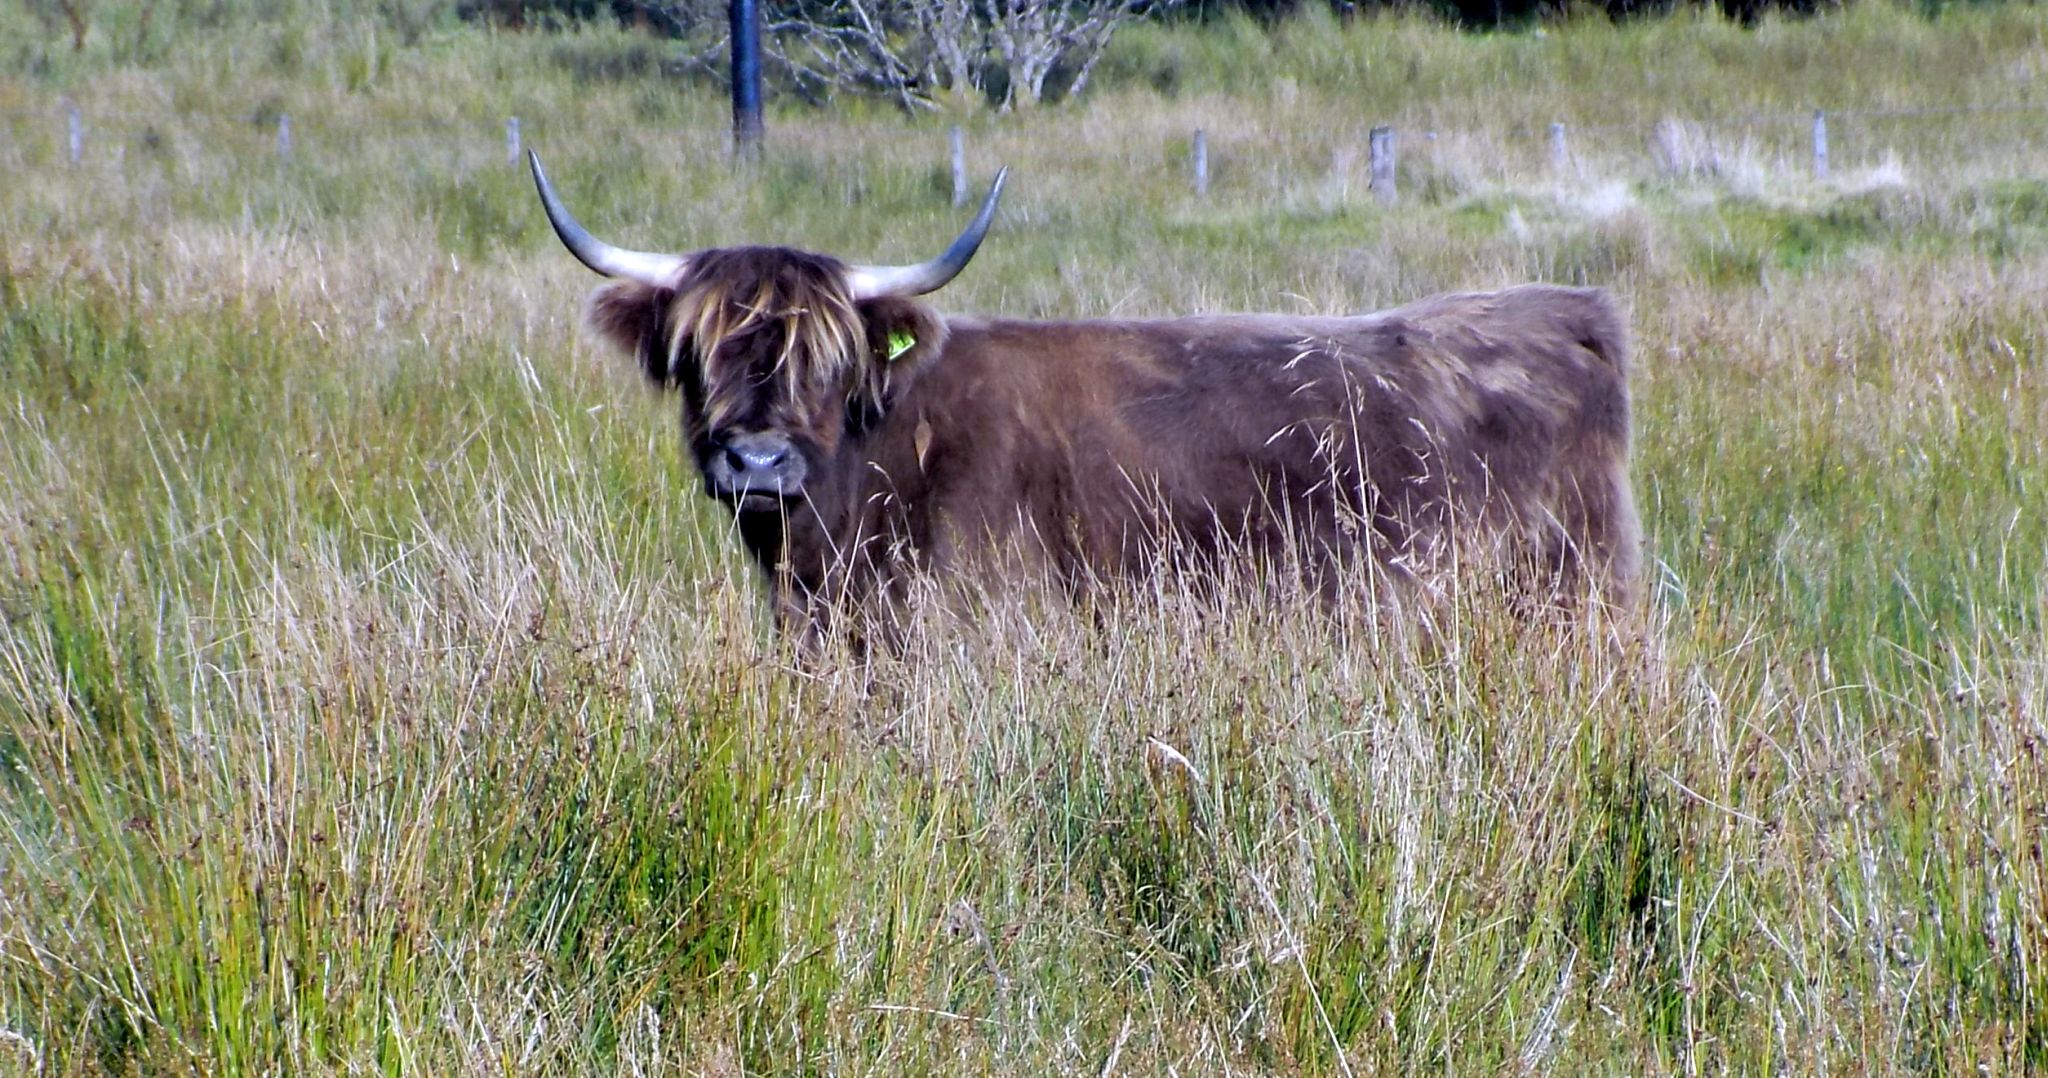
x=856 y=434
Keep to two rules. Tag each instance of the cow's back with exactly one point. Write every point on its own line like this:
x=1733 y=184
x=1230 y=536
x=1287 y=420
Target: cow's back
x=1105 y=443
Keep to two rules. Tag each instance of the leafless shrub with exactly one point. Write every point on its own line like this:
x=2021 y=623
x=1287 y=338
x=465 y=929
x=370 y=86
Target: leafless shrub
x=77 y=16
x=75 y=13
x=924 y=52
x=1034 y=37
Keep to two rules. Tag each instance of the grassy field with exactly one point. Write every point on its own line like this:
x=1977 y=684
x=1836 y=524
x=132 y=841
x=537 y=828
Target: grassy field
x=377 y=694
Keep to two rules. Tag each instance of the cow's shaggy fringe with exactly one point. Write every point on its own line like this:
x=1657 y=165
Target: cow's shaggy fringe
x=822 y=340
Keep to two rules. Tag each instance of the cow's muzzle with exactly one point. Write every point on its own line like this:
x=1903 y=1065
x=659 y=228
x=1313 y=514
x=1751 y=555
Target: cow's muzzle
x=755 y=471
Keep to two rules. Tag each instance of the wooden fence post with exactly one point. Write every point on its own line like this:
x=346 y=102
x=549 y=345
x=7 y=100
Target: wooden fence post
x=74 y=130
x=1200 y=153
x=1382 y=145
x=1667 y=146
x=958 y=139
x=1820 y=144
x=512 y=141
x=1560 y=152
x=284 y=136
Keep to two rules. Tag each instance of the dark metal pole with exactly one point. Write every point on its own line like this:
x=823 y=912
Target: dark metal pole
x=745 y=16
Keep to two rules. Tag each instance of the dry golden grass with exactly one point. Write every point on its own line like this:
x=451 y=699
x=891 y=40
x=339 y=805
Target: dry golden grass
x=376 y=693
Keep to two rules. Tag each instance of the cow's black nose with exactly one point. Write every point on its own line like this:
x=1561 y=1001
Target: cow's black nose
x=759 y=463
x=756 y=458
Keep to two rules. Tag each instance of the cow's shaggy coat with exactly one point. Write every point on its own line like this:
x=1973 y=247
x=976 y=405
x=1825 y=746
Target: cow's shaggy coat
x=1495 y=423
x=860 y=438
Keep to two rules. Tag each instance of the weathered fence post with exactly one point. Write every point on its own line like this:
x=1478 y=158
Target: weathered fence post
x=284 y=136
x=1667 y=146
x=1820 y=144
x=74 y=130
x=1381 y=143
x=1560 y=152
x=1200 y=154
x=958 y=141
x=512 y=141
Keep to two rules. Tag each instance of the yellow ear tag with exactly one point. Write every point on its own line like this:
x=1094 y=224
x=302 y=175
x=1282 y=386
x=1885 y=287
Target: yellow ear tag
x=899 y=343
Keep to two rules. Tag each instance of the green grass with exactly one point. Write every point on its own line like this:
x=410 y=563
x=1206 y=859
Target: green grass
x=377 y=694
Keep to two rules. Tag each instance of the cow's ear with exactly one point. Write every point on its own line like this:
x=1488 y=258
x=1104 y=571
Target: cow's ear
x=903 y=337
x=633 y=318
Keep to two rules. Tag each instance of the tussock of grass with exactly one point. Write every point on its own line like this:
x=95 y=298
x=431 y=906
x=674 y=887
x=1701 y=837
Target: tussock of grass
x=375 y=692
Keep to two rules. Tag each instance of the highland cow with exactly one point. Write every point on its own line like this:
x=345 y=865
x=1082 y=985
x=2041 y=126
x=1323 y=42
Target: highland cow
x=861 y=439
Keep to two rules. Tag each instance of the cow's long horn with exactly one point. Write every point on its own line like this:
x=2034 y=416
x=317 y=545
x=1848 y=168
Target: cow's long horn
x=873 y=282
x=641 y=266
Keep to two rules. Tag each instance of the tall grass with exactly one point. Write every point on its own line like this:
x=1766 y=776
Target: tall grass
x=377 y=694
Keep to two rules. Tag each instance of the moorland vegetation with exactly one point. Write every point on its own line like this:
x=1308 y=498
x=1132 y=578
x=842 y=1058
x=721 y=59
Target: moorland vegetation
x=377 y=694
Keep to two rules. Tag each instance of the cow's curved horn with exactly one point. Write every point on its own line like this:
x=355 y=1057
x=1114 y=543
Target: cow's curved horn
x=641 y=266
x=874 y=282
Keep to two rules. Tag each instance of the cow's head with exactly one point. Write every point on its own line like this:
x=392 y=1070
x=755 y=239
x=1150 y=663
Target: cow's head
x=780 y=355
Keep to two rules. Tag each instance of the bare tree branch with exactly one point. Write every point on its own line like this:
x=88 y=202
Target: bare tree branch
x=918 y=50
x=75 y=12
